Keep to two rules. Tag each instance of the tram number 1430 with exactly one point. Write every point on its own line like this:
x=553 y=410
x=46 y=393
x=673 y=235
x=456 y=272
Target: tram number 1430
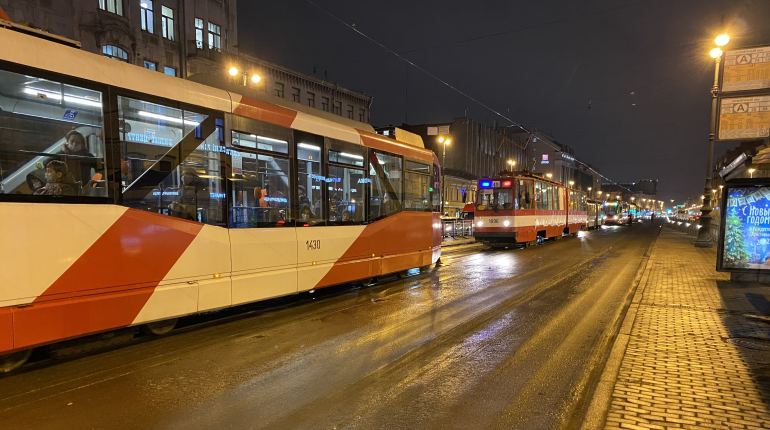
x=313 y=245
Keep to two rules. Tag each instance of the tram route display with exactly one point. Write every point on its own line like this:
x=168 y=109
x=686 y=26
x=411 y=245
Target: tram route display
x=745 y=241
x=746 y=69
x=744 y=118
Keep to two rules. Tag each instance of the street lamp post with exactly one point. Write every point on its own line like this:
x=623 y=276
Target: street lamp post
x=511 y=163
x=445 y=142
x=704 y=232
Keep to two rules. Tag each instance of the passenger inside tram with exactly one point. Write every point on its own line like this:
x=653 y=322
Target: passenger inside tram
x=58 y=180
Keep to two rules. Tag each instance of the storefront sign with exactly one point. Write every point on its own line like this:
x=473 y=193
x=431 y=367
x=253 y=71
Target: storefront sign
x=745 y=237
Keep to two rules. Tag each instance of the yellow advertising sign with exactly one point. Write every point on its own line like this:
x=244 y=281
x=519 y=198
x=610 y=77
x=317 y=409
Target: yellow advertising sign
x=744 y=118
x=747 y=69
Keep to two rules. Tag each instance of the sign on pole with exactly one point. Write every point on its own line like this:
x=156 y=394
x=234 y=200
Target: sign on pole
x=744 y=118
x=746 y=69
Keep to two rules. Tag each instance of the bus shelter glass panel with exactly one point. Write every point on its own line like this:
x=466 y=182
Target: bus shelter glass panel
x=416 y=186
x=172 y=161
x=50 y=139
x=385 y=196
x=261 y=184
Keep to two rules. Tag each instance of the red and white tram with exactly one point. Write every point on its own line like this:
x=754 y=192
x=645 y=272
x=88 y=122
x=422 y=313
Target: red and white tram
x=128 y=197
x=521 y=208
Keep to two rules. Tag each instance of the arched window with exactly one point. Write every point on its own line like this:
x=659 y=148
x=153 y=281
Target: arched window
x=112 y=51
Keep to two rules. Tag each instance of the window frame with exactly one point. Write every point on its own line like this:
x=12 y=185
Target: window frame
x=199 y=33
x=296 y=95
x=154 y=64
x=117 y=4
x=407 y=171
x=363 y=167
x=106 y=91
x=167 y=68
x=147 y=16
x=167 y=23
x=370 y=152
x=112 y=57
x=215 y=37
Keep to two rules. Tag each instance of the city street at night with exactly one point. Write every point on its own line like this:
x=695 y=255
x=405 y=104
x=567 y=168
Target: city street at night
x=491 y=339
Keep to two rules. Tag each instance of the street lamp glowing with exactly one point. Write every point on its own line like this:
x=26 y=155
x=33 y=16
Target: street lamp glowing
x=589 y=188
x=549 y=175
x=233 y=71
x=600 y=193
x=722 y=40
x=716 y=53
x=447 y=142
x=441 y=139
x=255 y=78
x=571 y=183
x=751 y=172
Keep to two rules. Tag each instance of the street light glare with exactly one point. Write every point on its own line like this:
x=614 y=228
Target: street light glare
x=722 y=40
x=440 y=139
x=233 y=71
x=255 y=78
x=716 y=53
x=447 y=142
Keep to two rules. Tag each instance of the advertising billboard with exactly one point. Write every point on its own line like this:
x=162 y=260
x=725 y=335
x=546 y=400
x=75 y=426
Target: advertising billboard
x=744 y=243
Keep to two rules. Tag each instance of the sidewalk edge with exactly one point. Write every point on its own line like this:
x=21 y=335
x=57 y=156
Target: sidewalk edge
x=596 y=415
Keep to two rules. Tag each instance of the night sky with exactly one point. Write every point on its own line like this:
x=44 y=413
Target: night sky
x=644 y=65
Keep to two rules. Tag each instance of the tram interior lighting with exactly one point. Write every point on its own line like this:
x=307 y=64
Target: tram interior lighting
x=168 y=118
x=357 y=157
x=506 y=183
x=310 y=147
x=270 y=139
x=57 y=96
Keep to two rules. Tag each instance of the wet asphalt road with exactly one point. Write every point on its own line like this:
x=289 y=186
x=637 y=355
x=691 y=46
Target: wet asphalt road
x=511 y=339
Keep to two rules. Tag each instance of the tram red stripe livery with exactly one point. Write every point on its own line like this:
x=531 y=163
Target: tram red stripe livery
x=122 y=251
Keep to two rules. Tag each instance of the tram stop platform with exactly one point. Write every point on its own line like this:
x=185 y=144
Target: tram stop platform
x=457 y=241
x=693 y=350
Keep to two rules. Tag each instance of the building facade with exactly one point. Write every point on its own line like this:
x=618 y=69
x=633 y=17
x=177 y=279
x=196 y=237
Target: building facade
x=191 y=39
x=545 y=156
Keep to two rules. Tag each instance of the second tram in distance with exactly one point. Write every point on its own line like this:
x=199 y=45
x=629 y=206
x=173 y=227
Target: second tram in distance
x=522 y=208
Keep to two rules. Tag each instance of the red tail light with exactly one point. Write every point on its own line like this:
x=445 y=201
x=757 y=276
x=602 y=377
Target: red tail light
x=506 y=183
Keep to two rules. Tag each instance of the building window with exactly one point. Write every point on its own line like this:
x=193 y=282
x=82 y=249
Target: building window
x=338 y=108
x=279 y=90
x=112 y=51
x=167 y=22
x=295 y=94
x=114 y=6
x=361 y=115
x=215 y=37
x=150 y=65
x=198 y=33
x=325 y=104
x=350 y=112
x=311 y=99
x=169 y=71
x=146 y=12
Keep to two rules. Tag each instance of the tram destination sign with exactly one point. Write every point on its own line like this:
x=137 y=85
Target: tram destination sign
x=746 y=69
x=744 y=118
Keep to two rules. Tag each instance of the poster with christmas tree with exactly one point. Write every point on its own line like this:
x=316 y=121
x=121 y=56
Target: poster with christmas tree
x=746 y=223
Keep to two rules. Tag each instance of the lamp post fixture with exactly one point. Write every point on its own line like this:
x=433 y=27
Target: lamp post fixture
x=751 y=173
x=446 y=143
x=234 y=72
x=571 y=183
x=704 y=231
x=511 y=163
x=549 y=175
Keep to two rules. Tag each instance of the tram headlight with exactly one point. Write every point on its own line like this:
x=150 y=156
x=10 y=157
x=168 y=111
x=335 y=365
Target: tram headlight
x=506 y=223
x=479 y=224
x=615 y=217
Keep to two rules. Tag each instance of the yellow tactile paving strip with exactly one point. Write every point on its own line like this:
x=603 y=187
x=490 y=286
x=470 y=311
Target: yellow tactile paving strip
x=678 y=370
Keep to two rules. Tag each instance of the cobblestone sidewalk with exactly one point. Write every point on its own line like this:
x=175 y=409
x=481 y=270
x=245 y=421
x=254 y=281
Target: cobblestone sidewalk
x=680 y=368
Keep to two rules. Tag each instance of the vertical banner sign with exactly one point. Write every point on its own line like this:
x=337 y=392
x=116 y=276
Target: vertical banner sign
x=744 y=118
x=746 y=241
x=746 y=69
x=237 y=161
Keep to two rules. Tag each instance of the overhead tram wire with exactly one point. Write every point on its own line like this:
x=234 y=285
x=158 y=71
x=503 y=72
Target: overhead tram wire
x=514 y=123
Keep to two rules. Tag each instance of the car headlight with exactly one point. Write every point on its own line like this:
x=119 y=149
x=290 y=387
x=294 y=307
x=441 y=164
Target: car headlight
x=479 y=224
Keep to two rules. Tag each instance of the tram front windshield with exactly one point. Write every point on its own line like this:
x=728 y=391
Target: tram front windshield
x=494 y=199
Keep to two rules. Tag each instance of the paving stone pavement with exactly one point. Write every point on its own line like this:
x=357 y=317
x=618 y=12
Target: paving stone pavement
x=679 y=370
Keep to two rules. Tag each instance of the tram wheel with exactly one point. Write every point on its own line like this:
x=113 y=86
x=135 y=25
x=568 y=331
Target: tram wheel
x=402 y=274
x=159 y=328
x=365 y=282
x=14 y=360
x=425 y=268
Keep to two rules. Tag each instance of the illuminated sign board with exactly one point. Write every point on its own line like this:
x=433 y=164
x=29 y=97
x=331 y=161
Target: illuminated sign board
x=744 y=118
x=545 y=159
x=744 y=239
x=746 y=69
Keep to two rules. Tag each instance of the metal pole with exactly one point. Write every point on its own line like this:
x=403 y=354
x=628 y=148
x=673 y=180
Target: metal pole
x=443 y=164
x=704 y=233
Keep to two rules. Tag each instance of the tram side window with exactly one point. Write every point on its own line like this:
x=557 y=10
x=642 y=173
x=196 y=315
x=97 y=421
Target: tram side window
x=50 y=139
x=172 y=161
x=260 y=175
x=436 y=188
x=385 y=195
x=583 y=203
x=416 y=194
x=559 y=194
x=346 y=183
x=310 y=179
x=525 y=195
